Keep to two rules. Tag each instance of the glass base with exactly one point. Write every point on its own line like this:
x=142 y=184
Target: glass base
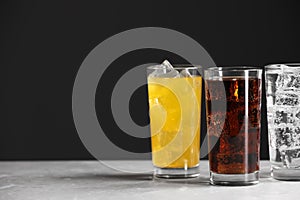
x=234 y=179
x=176 y=173
x=287 y=174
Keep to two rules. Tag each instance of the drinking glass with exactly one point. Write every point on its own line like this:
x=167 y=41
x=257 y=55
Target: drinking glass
x=283 y=110
x=233 y=107
x=174 y=108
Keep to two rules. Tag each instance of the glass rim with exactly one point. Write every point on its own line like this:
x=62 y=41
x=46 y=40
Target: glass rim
x=175 y=66
x=237 y=68
x=280 y=66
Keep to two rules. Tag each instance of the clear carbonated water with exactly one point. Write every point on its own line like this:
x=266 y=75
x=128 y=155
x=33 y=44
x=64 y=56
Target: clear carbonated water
x=283 y=110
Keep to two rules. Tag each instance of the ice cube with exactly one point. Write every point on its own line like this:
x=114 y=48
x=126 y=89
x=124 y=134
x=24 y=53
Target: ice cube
x=280 y=117
x=291 y=157
x=298 y=115
x=172 y=73
x=285 y=137
x=287 y=81
x=287 y=99
x=284 y=116
x=167 y=64
x=185 y=73
x=279 y=81
x=165 y=70
x=286 y=158
x=297 y=81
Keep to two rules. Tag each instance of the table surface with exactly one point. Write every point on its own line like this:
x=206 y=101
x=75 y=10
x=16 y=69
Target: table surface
x=94 y=180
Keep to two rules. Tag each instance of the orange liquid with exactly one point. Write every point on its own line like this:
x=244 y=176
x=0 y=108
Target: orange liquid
x=175 y=121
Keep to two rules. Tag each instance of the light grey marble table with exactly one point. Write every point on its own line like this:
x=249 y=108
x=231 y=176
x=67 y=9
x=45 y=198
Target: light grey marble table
x=93 y=180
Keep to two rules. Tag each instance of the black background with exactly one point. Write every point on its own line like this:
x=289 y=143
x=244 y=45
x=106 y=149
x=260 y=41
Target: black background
x=43 y=43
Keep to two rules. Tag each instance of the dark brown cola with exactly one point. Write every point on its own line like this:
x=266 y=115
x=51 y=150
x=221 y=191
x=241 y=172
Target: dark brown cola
x=233 y=124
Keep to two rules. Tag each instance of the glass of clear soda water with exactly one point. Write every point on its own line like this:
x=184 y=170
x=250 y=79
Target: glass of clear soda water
x=282 y=83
